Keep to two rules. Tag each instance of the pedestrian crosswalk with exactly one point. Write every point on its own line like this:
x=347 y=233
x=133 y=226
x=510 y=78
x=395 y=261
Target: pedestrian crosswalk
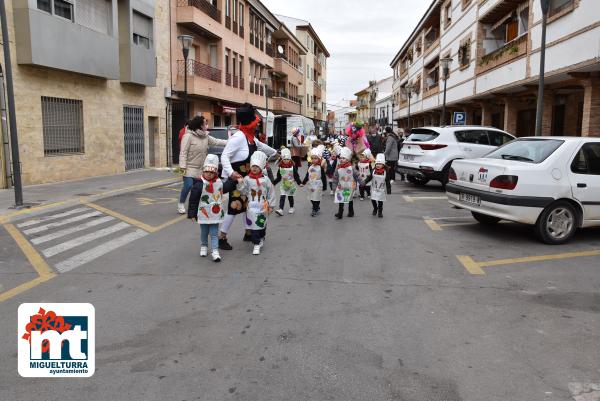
x=72 y=238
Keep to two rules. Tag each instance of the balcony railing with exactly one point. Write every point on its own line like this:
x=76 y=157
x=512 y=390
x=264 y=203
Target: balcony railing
x=252 y=38
x=235 y=28
x=195 y=68
x=228 y=22
x=235 y=81
x=242 y=83
x=269 y=49
x=241 y=31
x=228 y=78
x=285 y=96
x=204 y=6
x=257 y=89
x=510 y=51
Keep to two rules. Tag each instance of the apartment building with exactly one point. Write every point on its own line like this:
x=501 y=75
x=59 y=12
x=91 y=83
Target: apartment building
x=232 y=50
x=315 y=61
x=495 y=48
x=344 y=112
x=89 y=80
x=374 y=101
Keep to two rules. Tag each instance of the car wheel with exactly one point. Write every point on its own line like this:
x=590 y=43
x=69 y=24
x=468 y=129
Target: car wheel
x=485 y=219
x=417 y=180
x=557 y=224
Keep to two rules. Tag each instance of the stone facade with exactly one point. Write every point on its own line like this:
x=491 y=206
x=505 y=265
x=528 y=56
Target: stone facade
x=103 y=102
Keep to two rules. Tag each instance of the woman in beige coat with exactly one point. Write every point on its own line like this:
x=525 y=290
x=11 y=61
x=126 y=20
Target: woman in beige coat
x=194 y=148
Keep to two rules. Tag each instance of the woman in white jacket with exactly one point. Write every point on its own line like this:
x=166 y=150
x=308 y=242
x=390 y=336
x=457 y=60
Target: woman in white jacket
x=194 y=148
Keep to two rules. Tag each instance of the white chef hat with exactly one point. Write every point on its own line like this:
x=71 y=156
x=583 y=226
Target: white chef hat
x=346 y=153
x=258 y=159
x=316 y=153
x=211 y=163
x=380 y=159
x=367 y=153
x=286 y=154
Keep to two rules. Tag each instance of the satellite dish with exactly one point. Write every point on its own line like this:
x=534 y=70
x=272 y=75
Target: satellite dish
x=280 y=49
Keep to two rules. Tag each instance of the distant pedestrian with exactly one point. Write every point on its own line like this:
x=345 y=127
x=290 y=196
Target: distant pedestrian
x=194 y=148
x=375 y=141
x=391 y=154
x=297 y=147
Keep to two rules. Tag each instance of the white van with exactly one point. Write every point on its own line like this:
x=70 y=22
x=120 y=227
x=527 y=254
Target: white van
x=283 y=126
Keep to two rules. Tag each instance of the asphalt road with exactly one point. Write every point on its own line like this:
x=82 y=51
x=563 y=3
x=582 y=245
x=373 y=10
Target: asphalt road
x=357 y=309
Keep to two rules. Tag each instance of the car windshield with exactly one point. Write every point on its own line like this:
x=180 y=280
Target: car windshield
x=526 y=150
x=422 y=135
x=219 y=133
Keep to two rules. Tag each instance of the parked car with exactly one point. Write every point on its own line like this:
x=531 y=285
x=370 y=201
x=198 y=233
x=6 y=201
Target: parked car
x=428 y=152
x=552 y=183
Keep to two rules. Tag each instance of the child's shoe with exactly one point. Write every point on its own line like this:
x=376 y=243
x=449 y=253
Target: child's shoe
x=203 y=251
x=216 y=256
x=362 y=199
x=339 y=216
x=375 y=212
x=279 y=212
x=291 y=210
x=256 y=250
x=351 y=213
x=331 y=193
x=380 y=214
x=313 y=213
x=224 y=245
x=181 y=208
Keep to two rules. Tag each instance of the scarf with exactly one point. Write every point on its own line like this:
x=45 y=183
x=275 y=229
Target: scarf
x=286 y=163
x=345 y=165
x=210 y=188
x=256 y=177
x=249 y=130
x=379 y=171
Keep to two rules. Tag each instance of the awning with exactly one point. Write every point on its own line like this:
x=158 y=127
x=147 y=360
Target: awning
x=270 y=121
x=502 y=21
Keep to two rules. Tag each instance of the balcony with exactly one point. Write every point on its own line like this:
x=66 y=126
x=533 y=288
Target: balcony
x=284 y=103
x=317 y=91
x=197 y=69
x=201 y=17
x=510 y=51
x=228 y=79
x=228 y=22
x=241 y=31
x=236 y=81
x=242 y=83
x=284 y=68
x=269 y=49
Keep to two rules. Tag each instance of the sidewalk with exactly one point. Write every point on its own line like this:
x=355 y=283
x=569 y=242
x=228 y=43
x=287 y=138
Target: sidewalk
x=48 y=196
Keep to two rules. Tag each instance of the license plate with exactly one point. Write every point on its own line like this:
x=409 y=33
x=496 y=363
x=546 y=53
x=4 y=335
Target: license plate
x=409 y=158
x=471 y=199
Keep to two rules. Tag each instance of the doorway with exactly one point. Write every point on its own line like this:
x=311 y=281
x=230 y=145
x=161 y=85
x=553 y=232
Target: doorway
x=153 y=143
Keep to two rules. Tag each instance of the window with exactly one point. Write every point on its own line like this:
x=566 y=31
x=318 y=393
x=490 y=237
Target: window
x=45 y=5
x=62 y=121
x=476 y=137
x=227 y=8
x=235 y=9
x=464 y=53
x=587 y=160
x=557 y=6
x=422 y=135
x=498 y=138
x=94 y=14
x=241 y=18
x=448 y=14
x=241 y=70
x=63 y=9
x=142 y=30
x=465 y=3
x=526 y=150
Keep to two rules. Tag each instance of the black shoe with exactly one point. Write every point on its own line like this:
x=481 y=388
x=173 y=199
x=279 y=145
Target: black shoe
x=380 y=214
x=374 y=212
x=224 y=245
x=339 y=216
x=351 y=214
x=247 y=238
x=313 y=213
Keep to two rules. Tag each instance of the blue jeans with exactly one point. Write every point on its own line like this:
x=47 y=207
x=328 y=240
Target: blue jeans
x=188 y=183
x=213 y=230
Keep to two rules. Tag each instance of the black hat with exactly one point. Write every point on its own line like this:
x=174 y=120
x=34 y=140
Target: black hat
x=245 y=114
x=389 y=130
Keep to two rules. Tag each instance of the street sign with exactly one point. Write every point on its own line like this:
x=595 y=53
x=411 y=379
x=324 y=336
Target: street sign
x=459 y=118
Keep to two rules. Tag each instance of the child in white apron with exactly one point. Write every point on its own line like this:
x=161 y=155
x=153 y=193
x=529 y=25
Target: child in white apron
x=316 y=178
x=206 y=204
x=346 y=180
x=260 y=195
x=287 y=174
x=364 y=168
x=378 y=185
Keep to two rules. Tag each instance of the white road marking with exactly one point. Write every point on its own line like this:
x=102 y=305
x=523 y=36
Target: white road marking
x=51 y=217
x=65 y=246
x=71 y=230
x=61 y=223
x=89 y=255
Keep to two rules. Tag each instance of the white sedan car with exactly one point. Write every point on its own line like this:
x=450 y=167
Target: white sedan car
x=550 y=182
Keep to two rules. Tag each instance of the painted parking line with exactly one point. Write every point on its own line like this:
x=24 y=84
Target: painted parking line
x=51 y=217
x=439 y=223
x=44 y=271
x=71 y=230
x=476 y=268
x=56 y=224
x=75 y=242
x=134 y=222
x=412 y=199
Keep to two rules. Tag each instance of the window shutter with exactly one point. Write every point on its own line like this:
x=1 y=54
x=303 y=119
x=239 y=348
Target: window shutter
x=142 y=25
x=94 y=14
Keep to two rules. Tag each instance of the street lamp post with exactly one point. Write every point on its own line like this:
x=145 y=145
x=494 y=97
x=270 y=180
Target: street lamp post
x=540 y=101
x=393 y=105
x=186 y=42
x=408 y=89
x=14 y=139
x=266 y=80
x=446 y=61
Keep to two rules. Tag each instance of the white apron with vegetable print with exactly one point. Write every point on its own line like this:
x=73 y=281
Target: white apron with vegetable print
x=315 y=183
x=210 y=209
x=346 y=185
x=258 y=203
x=364 y=171
x=288 y=184
x=378 y=189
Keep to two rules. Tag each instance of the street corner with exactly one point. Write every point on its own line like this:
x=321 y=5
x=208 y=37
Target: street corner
x=150 y=209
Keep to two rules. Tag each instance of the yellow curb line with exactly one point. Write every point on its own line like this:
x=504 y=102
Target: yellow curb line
x=477 y=267
x=44 y=271
x=80 y=200
x=134 y=222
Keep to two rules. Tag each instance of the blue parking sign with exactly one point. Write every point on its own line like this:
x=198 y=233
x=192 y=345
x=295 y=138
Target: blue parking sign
x=459 y=118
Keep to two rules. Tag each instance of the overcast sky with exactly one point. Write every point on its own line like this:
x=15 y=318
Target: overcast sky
x=362 y=36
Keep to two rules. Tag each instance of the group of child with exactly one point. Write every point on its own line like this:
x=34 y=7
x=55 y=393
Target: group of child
x=206 y=206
